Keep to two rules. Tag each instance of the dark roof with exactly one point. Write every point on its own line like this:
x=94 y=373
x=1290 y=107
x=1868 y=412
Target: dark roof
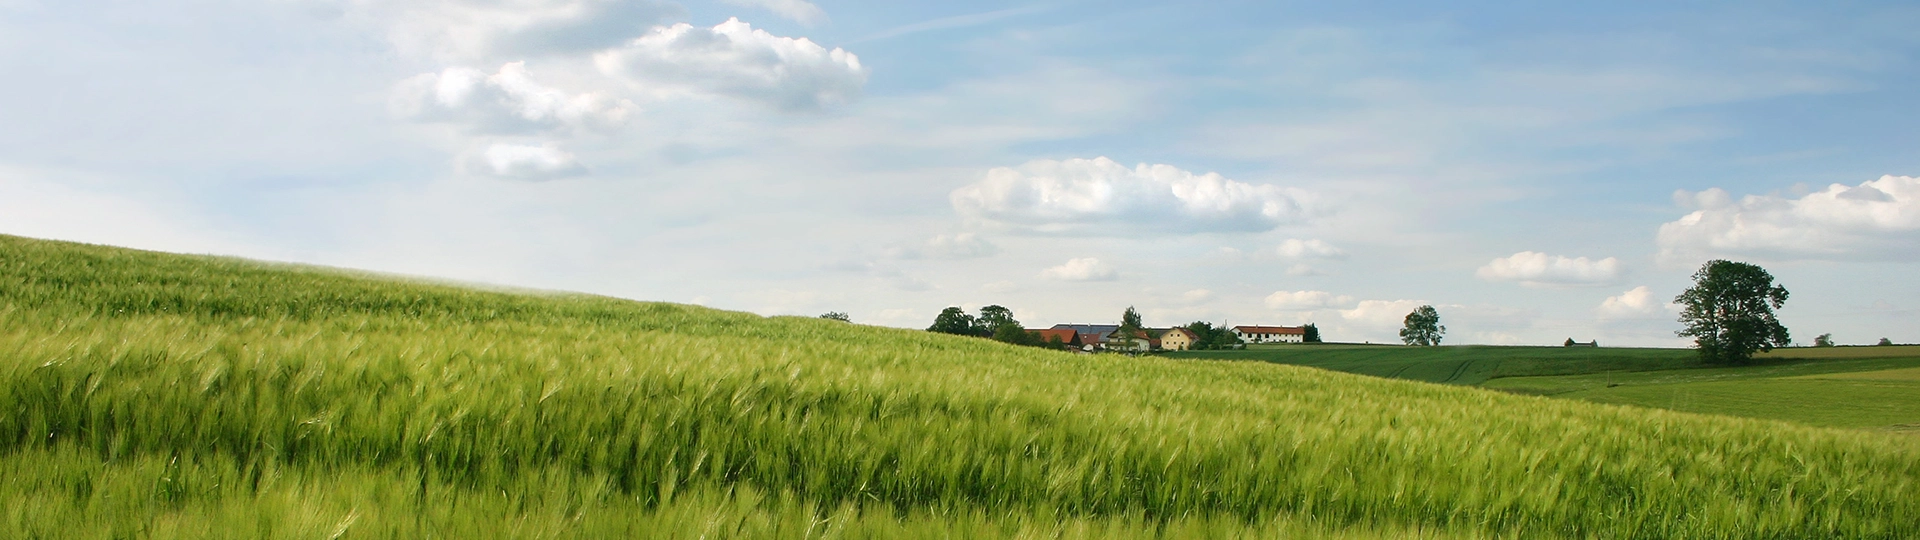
x=1300 y=330
x=1102 y=329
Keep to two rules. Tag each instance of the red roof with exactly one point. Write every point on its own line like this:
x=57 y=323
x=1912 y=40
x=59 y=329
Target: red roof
x=1066 y=335
x=1299 y=330
x=1189 y=333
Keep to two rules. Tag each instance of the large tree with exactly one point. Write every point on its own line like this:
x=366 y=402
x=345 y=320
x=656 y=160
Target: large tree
x=1729 y=312
x=992 y=319
x=1209 y=336
x=1310 y=334
x=953 y=320
x=1423 y=327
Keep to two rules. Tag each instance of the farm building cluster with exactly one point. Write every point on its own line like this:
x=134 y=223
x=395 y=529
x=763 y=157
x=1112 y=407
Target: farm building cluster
x=1099 y=337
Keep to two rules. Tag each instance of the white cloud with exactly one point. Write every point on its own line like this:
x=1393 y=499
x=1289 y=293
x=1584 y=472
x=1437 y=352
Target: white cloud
x=1100 y=196
x=733 y=59
x=508 y=101
x=1381 y=313
x=1308 y=300
x=800 y=11
x=1876 y=220
x=947 y=246
x=474 y=29
x=525 y=162
x=1295 y=248
x=1638 y=303
x=1084 y=269
x=1196 y=296
x=1535 y=269
x=1303 y=269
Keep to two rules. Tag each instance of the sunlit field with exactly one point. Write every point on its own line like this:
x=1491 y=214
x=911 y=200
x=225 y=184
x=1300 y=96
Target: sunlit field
x=155 y=395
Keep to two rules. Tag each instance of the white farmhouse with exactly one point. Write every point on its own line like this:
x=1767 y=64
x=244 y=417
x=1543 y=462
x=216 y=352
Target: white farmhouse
x=1271 y=334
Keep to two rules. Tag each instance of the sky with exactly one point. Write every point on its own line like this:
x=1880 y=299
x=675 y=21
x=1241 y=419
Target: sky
x=1537 y=172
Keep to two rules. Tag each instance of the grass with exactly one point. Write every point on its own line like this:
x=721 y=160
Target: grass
x=1465 y=365
x=155 y=395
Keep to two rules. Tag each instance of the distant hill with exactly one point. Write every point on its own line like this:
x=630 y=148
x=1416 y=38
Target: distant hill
x=157 y=395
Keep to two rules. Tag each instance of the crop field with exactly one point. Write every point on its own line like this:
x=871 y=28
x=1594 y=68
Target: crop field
x=155 y=395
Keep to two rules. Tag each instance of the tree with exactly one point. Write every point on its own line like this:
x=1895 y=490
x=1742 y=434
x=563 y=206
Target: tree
x=1729 y=312
x=837 y=316
x=1208 y=337
x=992 y=319
x=1423 y=327
x=1312 y=334
x=1824 y=340
x=953 y=320
x=1885 y=341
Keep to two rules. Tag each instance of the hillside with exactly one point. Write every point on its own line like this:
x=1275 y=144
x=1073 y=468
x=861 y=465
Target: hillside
x=157 y=395
x=1466 y=365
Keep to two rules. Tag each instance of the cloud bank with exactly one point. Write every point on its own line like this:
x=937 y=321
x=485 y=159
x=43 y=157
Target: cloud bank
x=1085 y=269
x=1308 y=301
x=525 y=162
x=507 y=101
x=1535 y=269
x=1876 y=220
x=1100 y=196
x=478 y=29
x=1638 y=303
x=733 y=59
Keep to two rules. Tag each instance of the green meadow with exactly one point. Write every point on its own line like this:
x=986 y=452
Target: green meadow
x=149 y=395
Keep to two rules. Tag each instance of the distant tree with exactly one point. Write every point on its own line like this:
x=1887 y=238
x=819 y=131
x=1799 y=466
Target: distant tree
x=953 y=320
x=1015 y=334
x=1131 y=319
x=1053 y=342
x=1569 y=343
x=992 y=319
x=1423 y=327
x=835 y=315
x=1312 y=334
x=1209 y=337
x=1885 y=341
x=1824 y=340
x=1729 y=312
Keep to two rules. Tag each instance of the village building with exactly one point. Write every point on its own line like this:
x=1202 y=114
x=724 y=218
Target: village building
x=1092 y=336
x=1271 y=334
x=1178 y=339
x=1066 y=337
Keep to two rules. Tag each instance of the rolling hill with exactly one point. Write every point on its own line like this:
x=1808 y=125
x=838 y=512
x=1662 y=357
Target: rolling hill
x=158 y=395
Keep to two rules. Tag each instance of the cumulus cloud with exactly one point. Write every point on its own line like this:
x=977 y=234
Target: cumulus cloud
x=507 y=101
x=472 y=29
x=525 y=162
x=1876 y=220
x=1308 y=301
x=1084 y=269
x=947 y=246
x=1100 y=196
x=1535 y=269
x=733 y=59
x=1381 y=313
x=1638 y=303
x=800 y=11
x=1295 y=248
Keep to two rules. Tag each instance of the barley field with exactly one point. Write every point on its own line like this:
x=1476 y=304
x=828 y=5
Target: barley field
x=154 y=395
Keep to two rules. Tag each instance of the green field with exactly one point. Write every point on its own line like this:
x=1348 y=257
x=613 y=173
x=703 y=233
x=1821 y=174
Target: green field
x=1467 y=365
x=1827 y=386
x=154 y=395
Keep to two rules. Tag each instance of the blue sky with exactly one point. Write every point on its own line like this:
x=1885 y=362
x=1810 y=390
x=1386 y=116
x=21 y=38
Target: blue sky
x=1537 y=172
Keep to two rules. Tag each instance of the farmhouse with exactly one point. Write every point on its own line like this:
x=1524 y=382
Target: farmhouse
x=1178 y=339
x=1271 y=334
x=1092 y=336
x=1067 y=337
